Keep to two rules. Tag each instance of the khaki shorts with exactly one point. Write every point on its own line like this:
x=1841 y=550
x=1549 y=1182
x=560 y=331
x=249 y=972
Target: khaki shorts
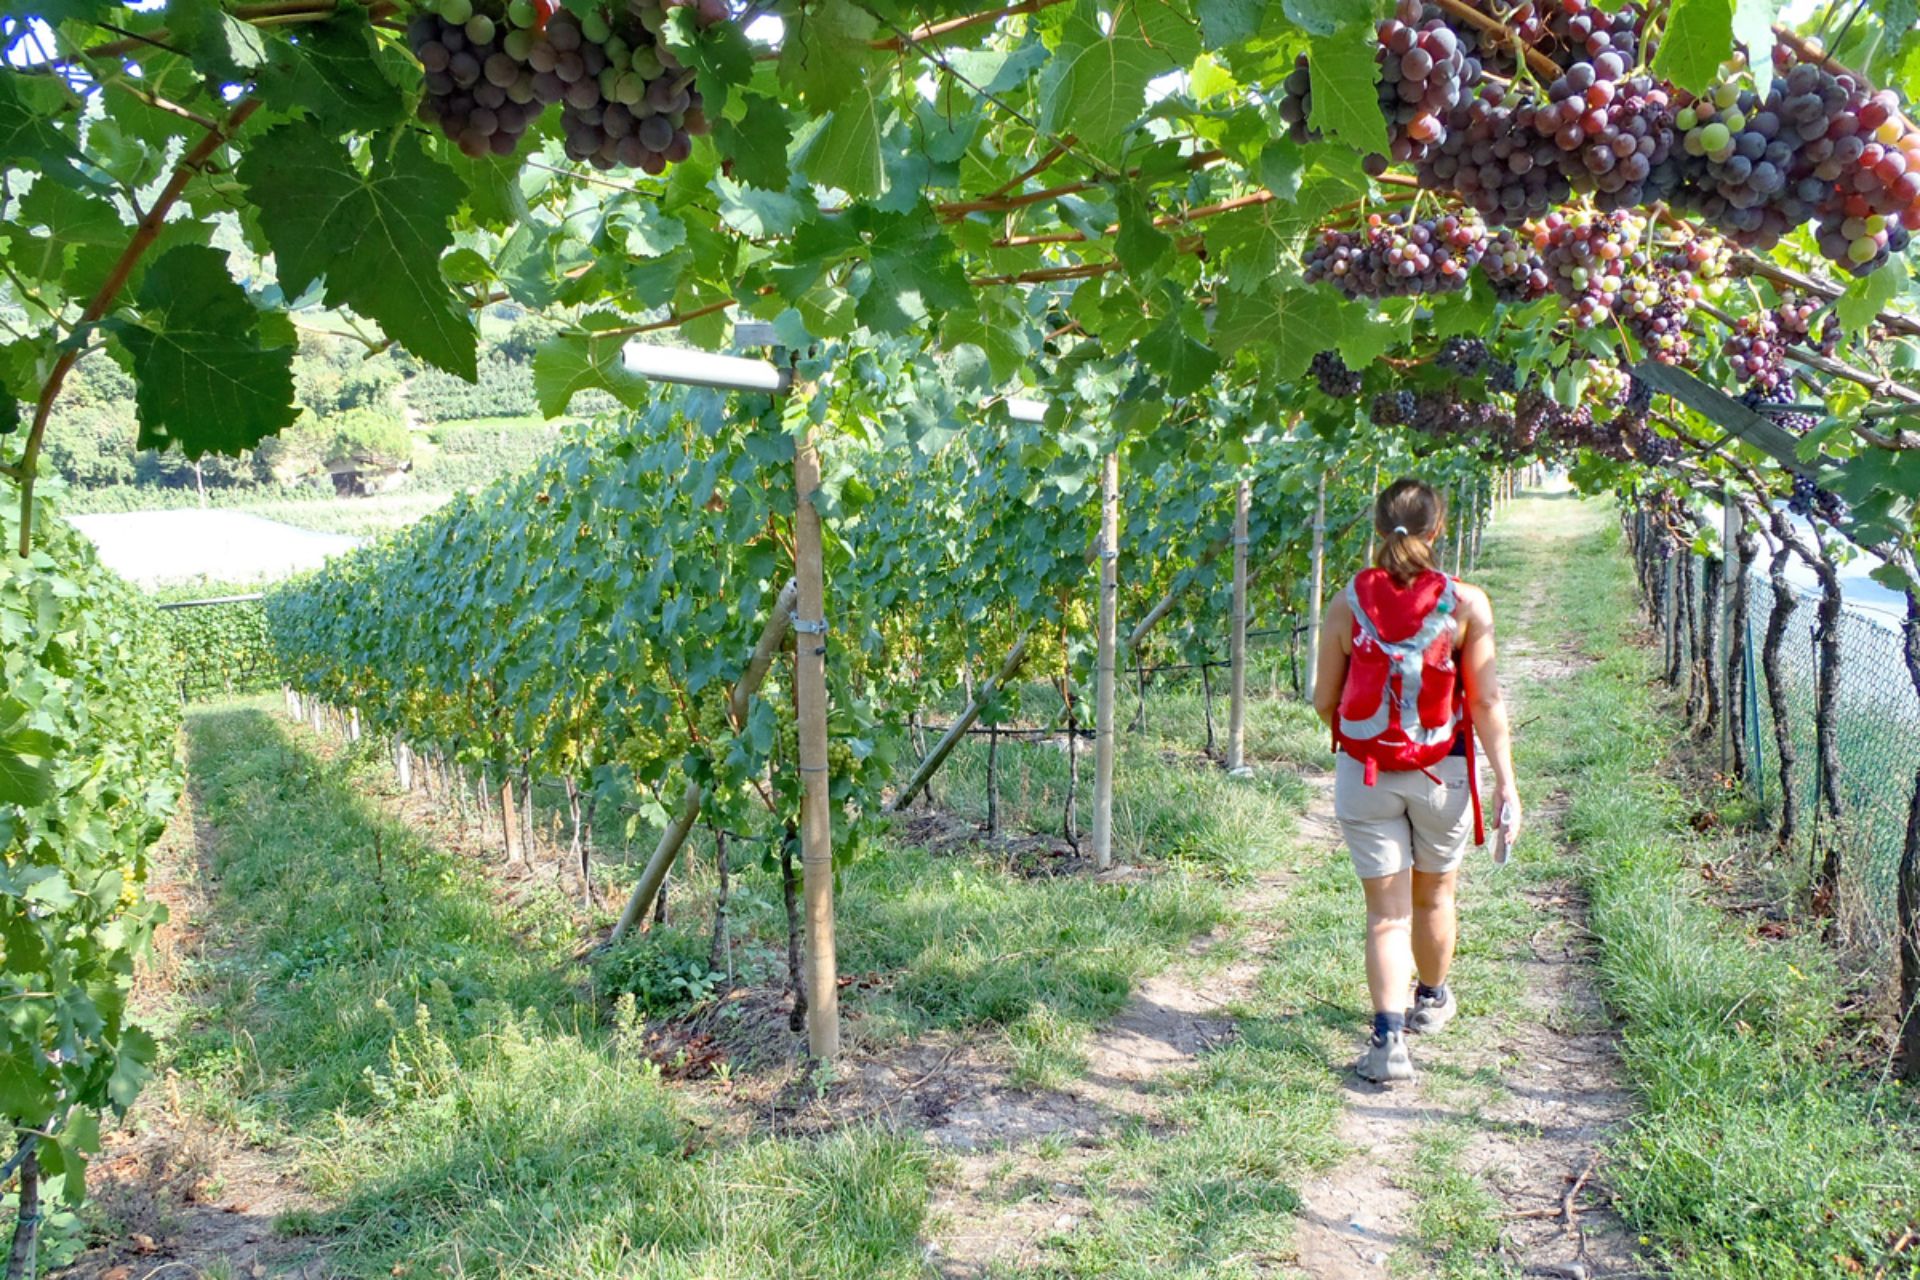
x=1404 y=819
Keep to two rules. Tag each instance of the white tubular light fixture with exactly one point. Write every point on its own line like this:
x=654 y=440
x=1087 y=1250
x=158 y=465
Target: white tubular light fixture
x=703 y=369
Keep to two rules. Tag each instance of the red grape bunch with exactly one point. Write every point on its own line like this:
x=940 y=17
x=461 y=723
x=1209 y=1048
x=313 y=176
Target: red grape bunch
x=476 y=91
x=1396 y=258
x=1495 y=160
x=1587 y=257
x=1655 y=302
x=1755 y=352
x=1796 y=318
x=628 y=100
x=1424 y=73
x=1610 y=132
x=1649 y=446
x=1513 y=268
x=1817 y=146
x=1705 y=257
x=1575 y=32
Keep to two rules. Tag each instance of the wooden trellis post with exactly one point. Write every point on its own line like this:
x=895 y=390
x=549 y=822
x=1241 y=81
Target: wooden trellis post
x=1237 y=697
x=810 y=698
x=1316 y=585
x=510 y=819
x=1109 y=551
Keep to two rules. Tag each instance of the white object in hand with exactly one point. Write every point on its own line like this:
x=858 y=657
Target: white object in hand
x=1502 y=837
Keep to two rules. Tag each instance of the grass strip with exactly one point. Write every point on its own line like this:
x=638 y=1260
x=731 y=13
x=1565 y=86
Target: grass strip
x=1758 y=1151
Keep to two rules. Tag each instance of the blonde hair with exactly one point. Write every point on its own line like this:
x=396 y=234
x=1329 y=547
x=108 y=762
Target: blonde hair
x=1407 y=516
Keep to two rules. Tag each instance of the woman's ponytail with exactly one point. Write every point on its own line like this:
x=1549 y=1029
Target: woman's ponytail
x=1407 y=517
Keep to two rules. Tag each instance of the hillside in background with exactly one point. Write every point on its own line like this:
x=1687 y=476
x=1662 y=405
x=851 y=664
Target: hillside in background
x=376 y=423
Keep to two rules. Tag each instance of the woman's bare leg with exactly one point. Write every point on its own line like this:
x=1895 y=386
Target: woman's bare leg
x=1433 y=925
x=1390 y=941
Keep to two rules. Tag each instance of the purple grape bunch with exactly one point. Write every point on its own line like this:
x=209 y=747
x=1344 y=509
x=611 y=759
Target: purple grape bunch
x=625 y=100
x=1396 y=258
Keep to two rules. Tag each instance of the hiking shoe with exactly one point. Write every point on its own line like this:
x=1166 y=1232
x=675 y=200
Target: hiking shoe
x=1386 y=1060
x=1430 y=1014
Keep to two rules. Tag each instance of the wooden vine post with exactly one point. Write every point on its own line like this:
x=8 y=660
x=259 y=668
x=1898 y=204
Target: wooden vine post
x=810 y=697
x=1107 y=642
x=1316 y=584
x=1237 y=698
x=510 y=821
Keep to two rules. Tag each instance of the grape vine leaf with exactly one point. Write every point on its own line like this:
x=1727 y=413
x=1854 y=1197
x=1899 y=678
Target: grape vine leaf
x=1226 y=22
x=1096 y=84
x=9 y=412
x=73 y=217
x=648 y=232
x=720 y=55
x=1318 y=17
x=913 y=274
x=338 y=73
x=1140 y=246
x=1868 y=296
x=828 y=52
x=1698 y=38
x=1345 y=104
x=26 y=777
x=376 y=235
x=844 y=151
x=997 y=71
x=204 y=379
x=1185 y=364
x=220 y=44
x=571 y=363
x=995 y=327
x=755 y=213
x=758 y=143
x=1294 y=322
x=29 y=140
x=55 y=12
x=1753 y=27
x=1173 y=36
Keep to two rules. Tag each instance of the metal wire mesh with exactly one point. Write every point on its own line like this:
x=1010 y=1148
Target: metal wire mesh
x=1876 y=727
x=1876 y=718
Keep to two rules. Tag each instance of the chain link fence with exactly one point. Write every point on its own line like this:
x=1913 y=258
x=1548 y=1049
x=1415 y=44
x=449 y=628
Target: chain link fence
x=1876 y=729
x=1875 y=722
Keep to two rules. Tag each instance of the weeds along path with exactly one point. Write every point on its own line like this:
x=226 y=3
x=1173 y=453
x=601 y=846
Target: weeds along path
x=1489 y=1164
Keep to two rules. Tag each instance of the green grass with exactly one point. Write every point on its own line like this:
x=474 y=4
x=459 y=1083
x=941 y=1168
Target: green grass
x=453 y=1089
x=433 y=1060
x=1757 y=1151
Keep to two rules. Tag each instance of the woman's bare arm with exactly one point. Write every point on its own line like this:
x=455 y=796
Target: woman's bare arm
x=1485 y=703
x=1336 y=644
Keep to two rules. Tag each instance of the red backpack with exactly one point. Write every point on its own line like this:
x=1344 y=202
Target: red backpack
x=1403 y=705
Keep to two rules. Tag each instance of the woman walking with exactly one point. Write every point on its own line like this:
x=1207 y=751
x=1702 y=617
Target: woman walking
x=1405 y=679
